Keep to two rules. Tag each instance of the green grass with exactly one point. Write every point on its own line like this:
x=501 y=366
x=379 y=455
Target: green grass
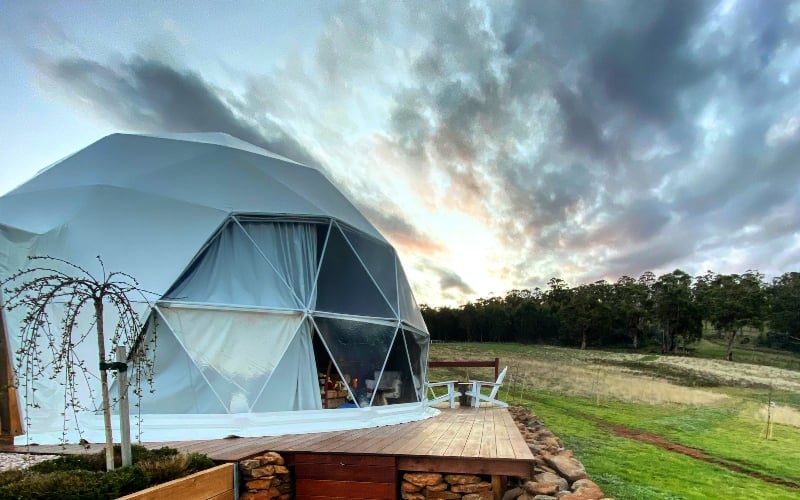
x=713 y=348
x=728 y=430
x=627 y=469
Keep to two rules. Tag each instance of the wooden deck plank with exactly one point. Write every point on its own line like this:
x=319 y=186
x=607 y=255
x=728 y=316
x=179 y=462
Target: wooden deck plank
x=472 y=448
x=443 y=430
x=502 y=436
x=488 y=437
x=459 y=440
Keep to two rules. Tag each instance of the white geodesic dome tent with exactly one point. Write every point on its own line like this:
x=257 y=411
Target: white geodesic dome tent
x=269 y=285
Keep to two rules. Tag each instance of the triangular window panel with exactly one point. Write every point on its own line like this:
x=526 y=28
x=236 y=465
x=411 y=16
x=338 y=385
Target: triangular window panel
x=180 y=387
x=344 y=286
x=293 y=384
x=379 y=259
x=231 y=271
x=409 y=310
x=235 y=351
x=359 y=351
x=417 y=346
x=397 y=383
x=291 y=249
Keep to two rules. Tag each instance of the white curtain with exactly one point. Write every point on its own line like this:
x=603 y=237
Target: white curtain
x=291 y=248
x=235 y=351
x=231 y=270
x=293 y=385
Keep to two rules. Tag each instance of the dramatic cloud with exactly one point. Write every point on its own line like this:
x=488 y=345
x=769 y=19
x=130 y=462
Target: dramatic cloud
x=501 y=144
x=149 y=95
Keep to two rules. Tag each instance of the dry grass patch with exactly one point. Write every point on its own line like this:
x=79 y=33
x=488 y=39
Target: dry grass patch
x=603 y=383
x=780 y=415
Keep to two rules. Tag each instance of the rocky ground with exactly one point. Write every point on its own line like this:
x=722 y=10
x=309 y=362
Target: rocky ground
x=557 y=475
x=11 y=461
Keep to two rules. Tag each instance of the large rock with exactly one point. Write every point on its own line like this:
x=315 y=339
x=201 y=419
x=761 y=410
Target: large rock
x=259 y=484
x=405 y=495
x=535 y=488
x=567 y=466
x=481 y=495
x=437 y=487
x=423 y=478
x=271 y=458
x=513 y=493
x=550 y=477
x=267 y=470
x=586 y=489
x=444 y=494
x=471 y=487
x=410 y=487
x=461 y=479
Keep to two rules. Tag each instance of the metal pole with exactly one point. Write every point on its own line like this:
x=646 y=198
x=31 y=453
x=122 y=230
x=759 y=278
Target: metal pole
x=124 y=409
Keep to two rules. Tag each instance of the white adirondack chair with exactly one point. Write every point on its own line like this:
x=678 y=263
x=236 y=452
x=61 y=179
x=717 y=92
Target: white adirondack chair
x=449 y=396
x=477 y=397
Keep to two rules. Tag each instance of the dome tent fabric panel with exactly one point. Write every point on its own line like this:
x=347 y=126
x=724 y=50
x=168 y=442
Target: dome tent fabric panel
x=291 y=249
x=312 y=185
x=112 y=160
x=232 y=270
x=236 y=351
x=409 y=310
x=126 y=229
x=293 y=384
x=245 y=192
x=179 y=387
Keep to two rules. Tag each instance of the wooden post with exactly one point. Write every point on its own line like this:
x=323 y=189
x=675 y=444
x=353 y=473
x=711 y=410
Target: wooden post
x=499 y=486
x=124 y=409
x=10 y=423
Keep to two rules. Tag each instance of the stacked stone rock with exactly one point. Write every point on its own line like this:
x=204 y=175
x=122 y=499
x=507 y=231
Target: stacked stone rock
x=558 y=475
x=422 y=485
x=265 y=477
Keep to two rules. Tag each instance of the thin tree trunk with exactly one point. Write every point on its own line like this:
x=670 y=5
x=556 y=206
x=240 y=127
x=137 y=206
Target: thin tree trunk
x=101 y=346
x=583 y=339
x=731 y=337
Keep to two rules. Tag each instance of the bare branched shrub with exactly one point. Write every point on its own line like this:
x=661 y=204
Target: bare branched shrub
x=40 y=286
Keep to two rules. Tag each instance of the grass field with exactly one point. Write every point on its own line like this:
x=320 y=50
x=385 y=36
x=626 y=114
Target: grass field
x=650 y=426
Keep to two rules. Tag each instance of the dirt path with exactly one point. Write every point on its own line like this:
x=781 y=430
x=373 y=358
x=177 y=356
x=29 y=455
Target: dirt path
x=655 y=439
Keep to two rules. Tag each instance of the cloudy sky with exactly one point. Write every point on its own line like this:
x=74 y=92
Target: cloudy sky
x=495 y=144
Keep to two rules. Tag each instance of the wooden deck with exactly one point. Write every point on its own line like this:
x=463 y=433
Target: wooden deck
x=469 y=440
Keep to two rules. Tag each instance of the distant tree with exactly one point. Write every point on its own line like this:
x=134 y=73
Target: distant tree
x=732 y=302
x=632 y=307
x=784 y=305
x=587 y=315
x=36 y=289
x=675 y=311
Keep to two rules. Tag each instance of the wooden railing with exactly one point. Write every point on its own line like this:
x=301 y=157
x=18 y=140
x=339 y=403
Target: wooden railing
x=468 y=364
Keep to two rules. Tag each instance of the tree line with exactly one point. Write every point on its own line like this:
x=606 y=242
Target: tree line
x=667 y=311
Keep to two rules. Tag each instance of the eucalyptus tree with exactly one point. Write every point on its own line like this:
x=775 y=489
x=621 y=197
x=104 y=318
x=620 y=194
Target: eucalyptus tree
x=784 y=305
x=732 y=302
x=675 y=310
x=632 y=305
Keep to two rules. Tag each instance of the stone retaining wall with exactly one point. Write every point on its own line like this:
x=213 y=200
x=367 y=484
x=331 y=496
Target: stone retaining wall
x=557 y=473
x=265 y=477
x=422 y=485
